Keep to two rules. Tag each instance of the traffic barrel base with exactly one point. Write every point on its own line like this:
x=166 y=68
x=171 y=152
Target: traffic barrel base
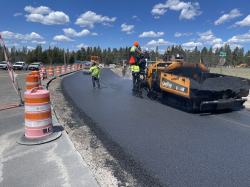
x=27 y=141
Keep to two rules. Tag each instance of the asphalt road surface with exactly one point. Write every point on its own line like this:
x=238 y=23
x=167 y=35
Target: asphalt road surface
x=178 y=148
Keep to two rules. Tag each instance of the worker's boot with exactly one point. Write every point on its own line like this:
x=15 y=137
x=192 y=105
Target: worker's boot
x=99 y=87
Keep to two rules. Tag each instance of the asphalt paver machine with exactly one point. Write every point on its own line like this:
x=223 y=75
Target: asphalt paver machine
x=192 y=86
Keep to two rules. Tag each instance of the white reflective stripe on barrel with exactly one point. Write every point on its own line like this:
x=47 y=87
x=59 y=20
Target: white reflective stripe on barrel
x=38 y=123
x=31 y=83
x=37 y=108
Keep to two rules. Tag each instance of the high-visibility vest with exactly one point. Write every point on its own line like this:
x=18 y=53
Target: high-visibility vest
x=135 y=68
x=133 y=49
x=96 y=71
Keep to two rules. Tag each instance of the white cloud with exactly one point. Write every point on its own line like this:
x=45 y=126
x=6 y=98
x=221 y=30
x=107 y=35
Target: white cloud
x=232 y=46
x=30 y=48
x=127 y=28
x=94 y=34
x=209 y=38
x=192 y=44
x=18 y=14
x=38 y=10
x=24 y=41
x=222 y=12
x=107 y=24
x=17 y=36
x=158 y=11
x=135 y=17
x=245 y=38
x=61 y=38
x=82 y=45
x=218 y=46
x=71 y=32
x=209 y=32
x=189 y=10
x=226 y=17
x=8 y=44
x=53 y=43
x=157 y=17
x=37 y=42
x=214 y=41
x=160 y=42
x=177 y=34
x=88 y=19
x=151 y=34
x=243 y=23
x=53 y=18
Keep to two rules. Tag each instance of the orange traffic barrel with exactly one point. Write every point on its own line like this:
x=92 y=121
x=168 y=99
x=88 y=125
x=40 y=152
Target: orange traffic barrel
x=68 y=67
x=51 y=71
x=82 y=66
x=63 y=69
x=76 y=67
x=44 y=75
x=58 y=70
x=73 y=67
x=38 y=118
x=31 y=81
x=38 y=75
x=43 y=69
x=41 y=74
x=79 y=66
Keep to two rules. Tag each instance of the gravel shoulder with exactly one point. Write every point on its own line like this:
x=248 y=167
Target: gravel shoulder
x=110 y=165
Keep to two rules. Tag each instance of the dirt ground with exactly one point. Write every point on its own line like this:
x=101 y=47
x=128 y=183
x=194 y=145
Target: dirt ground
x=232 y=72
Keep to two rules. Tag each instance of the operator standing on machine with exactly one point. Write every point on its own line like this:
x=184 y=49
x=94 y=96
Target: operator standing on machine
x=135 y=67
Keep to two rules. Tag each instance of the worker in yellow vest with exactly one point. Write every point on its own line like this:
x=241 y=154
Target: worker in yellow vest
x=124 y=70
x=96 y=71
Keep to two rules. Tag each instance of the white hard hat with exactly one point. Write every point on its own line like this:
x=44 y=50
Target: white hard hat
x=125 y=65
x=100 y=66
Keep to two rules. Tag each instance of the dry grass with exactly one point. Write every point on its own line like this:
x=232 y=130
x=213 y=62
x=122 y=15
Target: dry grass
x=244 y=73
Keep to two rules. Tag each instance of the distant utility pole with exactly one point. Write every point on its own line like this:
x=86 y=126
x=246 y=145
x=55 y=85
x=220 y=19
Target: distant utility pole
x=64 y=54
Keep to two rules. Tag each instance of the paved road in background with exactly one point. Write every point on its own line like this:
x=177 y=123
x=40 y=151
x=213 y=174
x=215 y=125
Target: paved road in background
x=179 y=148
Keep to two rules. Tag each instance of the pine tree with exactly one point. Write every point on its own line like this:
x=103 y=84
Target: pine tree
x=71 y=59
x=235 y=56
x=216 y=59
x=247 y=58
x=210 y=57
x=241 y=56
x=204 y=59
x=229 y=55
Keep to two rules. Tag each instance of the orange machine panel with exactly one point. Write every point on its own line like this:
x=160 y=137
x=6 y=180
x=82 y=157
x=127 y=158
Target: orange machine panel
x=175 y=84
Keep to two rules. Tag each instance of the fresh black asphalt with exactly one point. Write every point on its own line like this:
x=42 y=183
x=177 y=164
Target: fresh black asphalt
x=179 y=148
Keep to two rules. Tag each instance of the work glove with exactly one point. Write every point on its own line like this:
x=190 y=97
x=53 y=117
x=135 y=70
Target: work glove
x=89 y=72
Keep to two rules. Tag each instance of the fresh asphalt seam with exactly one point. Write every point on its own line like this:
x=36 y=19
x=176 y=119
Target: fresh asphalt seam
x=108 y=84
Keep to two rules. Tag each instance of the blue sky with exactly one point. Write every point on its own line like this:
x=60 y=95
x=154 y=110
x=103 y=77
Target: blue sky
x=118 y=24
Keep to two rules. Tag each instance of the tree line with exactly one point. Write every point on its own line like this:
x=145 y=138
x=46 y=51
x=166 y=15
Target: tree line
x=109 y=56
